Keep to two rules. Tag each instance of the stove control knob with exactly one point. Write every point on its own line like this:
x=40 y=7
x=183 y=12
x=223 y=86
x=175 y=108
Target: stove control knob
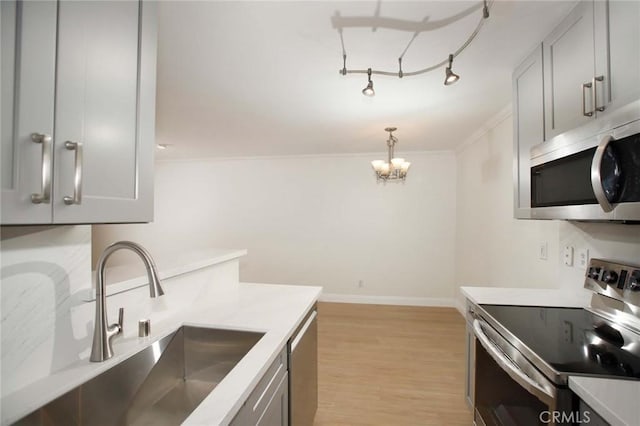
x=610 y=277
x=634 y=281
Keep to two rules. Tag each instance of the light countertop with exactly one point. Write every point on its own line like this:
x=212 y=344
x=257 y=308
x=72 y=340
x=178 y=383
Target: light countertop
x=275 y=310
x=527 y=296
x=614 y=400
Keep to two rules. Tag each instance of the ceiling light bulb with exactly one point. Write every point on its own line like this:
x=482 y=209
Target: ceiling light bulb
x=405 y=166
x=385 y=169
x=368 y=91
x=450 y=76
x=162 y=146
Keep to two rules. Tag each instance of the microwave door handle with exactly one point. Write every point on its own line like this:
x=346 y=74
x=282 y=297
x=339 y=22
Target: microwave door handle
x=596 y=175
x=509 y=367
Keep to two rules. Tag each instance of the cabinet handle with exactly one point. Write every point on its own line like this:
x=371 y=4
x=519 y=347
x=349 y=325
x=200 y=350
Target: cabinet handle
x=595 y=93
x=596 y=175
x=46 y=141
x=588 y=85
x=77 y=180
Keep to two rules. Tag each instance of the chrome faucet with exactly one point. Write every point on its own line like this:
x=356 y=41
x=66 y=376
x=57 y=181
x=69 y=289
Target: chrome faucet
x=103 y=333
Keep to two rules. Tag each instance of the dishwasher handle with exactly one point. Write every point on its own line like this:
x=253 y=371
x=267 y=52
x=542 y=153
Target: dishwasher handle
x=513 y=370
x=303 y=330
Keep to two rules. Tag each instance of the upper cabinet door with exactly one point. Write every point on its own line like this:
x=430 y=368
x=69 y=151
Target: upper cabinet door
x=528 y=119
x=105 y=111
x=28 y=86
x=569 y=72
x=617 y=49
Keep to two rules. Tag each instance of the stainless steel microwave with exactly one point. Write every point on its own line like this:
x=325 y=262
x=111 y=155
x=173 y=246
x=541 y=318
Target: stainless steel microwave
x=594 y=179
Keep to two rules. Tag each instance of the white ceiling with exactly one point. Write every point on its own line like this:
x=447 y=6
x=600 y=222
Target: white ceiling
x=254 y=78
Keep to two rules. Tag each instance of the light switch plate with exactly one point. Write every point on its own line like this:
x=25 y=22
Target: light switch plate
x=543 y=250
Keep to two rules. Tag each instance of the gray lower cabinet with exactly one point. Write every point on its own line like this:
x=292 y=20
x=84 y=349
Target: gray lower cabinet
x=78 y=111
x=268 y=403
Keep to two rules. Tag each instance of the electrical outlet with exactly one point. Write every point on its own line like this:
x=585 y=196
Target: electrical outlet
x=543 y=250
x=568 y=255
x=583 y=258
x=360 y=283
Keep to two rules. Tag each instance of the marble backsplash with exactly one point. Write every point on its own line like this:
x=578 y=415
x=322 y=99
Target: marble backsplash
x=44 y=271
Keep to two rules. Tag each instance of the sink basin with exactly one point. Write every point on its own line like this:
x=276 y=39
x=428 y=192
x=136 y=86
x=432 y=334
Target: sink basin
x=161 y=385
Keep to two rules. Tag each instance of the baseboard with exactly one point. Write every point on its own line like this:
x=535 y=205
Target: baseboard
x=388 y=300
x=461 y=307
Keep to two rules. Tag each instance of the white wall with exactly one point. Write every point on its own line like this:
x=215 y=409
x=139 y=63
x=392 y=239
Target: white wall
x=493 y=249
x=319 y=220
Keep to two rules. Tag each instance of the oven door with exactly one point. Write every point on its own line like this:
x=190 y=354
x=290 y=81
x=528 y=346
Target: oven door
x=509 y=390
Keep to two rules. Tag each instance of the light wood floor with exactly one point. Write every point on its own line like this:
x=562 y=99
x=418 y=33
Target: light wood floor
x=390 y=365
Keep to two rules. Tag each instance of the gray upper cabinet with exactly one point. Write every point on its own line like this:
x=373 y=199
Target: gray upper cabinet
x=103 y=75
x=591 y=64
x=618 y=32
x=569 y=71
x=28 y=87
x=528 y=118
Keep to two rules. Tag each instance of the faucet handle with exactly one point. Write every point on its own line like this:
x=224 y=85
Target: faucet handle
x=121 y=319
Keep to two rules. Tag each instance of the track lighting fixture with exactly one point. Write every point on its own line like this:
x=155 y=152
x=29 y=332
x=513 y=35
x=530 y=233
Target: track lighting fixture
x=368 y=91
x=450 y=76
x=341 y=22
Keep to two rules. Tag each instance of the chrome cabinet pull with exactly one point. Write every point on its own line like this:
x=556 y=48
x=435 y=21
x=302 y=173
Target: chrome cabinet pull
x=588 y=85
x=77 y=180
x=595 y=93
x=46 y=141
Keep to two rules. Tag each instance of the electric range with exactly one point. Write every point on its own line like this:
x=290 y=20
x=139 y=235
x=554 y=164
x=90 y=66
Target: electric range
x=524 y=355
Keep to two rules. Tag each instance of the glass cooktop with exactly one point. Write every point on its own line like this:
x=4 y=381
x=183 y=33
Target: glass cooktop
x=573 y=341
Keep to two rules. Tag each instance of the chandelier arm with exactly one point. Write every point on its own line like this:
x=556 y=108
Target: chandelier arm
x=428 y=69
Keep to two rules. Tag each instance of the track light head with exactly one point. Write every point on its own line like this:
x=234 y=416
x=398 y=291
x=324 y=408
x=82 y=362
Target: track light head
x=450 y=76
x=485 y=10
x=368 y=91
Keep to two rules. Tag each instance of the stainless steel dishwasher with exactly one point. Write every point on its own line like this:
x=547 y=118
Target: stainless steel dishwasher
x=303 y=372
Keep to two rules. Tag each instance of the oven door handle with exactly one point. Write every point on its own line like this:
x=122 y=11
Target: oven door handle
x=515 y=372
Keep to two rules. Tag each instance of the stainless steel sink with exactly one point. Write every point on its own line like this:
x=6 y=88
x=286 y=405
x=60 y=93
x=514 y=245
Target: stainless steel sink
x=160 y=385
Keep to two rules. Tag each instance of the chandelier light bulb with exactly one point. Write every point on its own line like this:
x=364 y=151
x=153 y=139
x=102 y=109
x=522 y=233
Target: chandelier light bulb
x=397 y=162
x=377 y=165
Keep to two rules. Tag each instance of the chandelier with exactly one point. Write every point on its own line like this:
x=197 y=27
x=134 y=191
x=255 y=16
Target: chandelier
x=394 y=169
x=340 y=22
